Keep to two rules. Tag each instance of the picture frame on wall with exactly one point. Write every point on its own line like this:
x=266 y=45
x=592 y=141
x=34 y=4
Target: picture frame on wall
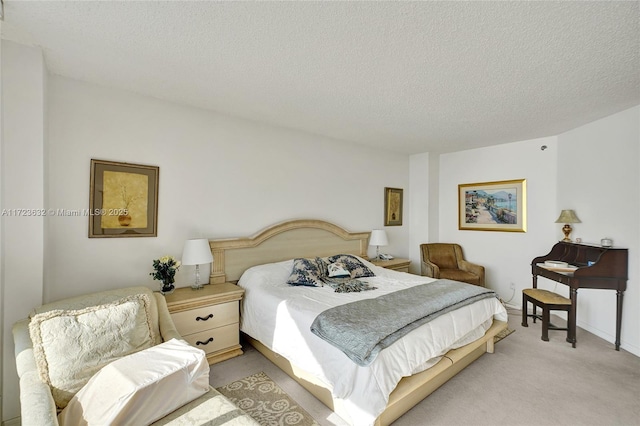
x=393 y=206
x=493 y=206
x=123 y=200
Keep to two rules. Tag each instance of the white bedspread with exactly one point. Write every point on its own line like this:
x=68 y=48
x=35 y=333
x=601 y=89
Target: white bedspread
x=279 y=316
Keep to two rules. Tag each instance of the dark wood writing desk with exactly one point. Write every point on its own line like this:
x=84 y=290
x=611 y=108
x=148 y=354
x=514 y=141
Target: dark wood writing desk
x=597 y=267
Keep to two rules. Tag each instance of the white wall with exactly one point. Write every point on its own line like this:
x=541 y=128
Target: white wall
x=420 y=214
x=219 y=177
x=599 y=177
x=506 y=256
x=23 y=142
x=594 y=170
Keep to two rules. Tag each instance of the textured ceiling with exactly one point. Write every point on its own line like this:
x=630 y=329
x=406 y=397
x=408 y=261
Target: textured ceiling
x=408 y=76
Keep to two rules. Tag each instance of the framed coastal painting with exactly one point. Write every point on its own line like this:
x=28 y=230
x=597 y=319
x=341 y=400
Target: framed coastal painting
x=123 y=200
x=493 y=206
x=392 y=207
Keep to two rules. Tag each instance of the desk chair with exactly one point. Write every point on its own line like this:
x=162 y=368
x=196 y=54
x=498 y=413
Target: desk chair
x=547 y=301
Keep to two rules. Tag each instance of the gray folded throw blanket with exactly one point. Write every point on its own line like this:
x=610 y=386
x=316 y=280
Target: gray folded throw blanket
x=363 y=328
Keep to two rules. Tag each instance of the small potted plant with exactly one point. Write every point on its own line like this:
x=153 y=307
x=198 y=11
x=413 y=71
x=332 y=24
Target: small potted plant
x=165 y=270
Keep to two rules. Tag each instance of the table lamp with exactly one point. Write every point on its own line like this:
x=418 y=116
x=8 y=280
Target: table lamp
x=567 y=217
x=378 y=238
x=197 y=252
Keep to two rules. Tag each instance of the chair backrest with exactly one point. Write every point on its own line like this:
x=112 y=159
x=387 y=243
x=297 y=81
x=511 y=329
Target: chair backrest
x=442 y=254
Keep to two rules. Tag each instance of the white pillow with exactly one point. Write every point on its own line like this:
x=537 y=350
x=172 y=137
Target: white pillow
x=141 y=388
x=70 y=346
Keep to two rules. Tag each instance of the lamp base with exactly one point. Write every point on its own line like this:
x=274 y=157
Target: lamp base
x=566 y=229
x=197 y=285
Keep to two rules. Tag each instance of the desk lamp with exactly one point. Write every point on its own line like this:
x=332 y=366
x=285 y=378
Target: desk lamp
x=197 y=252
x=378 y=238
x=567 y=217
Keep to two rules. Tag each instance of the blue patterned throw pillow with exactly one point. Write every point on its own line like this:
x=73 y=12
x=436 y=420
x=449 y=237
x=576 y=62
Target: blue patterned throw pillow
x=338 y=270
x=305 y=272
x=352 y=264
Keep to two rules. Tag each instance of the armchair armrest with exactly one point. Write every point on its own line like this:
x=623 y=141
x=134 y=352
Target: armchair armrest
x=168 y=329
x=36 y=402
x=473 y=268
x=428 y=269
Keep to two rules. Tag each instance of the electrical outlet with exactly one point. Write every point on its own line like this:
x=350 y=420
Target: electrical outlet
x=512 y=286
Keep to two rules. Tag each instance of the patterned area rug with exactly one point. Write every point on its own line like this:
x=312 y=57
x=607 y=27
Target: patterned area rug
x=263 y=400
x=504 y=333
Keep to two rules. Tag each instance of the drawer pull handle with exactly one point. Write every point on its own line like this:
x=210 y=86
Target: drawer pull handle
x=205 y=343
x=204 y=319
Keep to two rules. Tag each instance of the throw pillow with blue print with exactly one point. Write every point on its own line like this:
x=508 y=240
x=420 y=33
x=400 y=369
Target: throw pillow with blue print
x=344 y=284
x=338 y=270
x=356 y=268
x=305 y=272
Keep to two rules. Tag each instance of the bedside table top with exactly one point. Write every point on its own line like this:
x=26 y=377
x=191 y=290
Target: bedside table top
x=393 y=263
x=185 y=297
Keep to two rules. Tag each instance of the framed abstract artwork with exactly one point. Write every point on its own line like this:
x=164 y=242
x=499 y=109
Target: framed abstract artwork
x=392 y=207
x=493 y=206
x=123 y=200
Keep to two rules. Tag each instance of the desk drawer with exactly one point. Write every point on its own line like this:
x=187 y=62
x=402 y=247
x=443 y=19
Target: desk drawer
x=200 y=319
x=215 y=339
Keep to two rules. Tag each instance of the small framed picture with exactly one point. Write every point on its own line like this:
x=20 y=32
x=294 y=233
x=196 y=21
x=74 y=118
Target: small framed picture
x=123 y=200
x=493 y=206
x=392 y=207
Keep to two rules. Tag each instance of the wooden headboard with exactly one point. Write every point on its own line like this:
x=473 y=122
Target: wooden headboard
x=283 y=241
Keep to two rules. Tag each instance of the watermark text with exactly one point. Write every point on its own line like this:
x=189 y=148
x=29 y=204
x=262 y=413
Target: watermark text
x=62 y=212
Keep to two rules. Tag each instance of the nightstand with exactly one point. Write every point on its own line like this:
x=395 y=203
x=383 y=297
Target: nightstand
x=209 y=319
x=397 y=264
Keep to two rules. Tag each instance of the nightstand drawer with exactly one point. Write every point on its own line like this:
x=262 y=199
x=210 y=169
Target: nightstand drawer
x=205 y=318
x=215 y=339
x=217 y=331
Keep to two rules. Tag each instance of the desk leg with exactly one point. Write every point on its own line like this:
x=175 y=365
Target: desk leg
x=571 y=323
x=619 y=297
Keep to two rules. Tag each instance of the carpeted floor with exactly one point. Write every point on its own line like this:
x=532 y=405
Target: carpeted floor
x=526 y=382
x=261 y=398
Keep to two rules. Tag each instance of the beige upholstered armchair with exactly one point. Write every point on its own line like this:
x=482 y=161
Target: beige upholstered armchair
x=111 y=311
x=445 y=260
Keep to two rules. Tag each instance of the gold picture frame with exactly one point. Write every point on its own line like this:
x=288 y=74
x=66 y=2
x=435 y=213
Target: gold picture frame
x=123 y=200
x=393 y=206
x=493 y=206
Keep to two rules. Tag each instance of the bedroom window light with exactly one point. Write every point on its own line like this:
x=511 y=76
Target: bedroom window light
x=197 y=252
x=378 y=238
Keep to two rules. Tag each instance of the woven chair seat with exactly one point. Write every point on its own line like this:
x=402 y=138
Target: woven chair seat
x=547 y=297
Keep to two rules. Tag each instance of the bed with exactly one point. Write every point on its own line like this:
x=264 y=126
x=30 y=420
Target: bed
x=276 y=319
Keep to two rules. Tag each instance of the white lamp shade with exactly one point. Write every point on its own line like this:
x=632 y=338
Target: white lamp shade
x=378 y=238
x=196 y=252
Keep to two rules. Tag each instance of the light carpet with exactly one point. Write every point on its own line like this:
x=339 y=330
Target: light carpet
x=263 y=400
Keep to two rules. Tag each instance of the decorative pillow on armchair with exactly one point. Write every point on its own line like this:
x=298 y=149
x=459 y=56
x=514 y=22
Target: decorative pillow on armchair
x=70 y=346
